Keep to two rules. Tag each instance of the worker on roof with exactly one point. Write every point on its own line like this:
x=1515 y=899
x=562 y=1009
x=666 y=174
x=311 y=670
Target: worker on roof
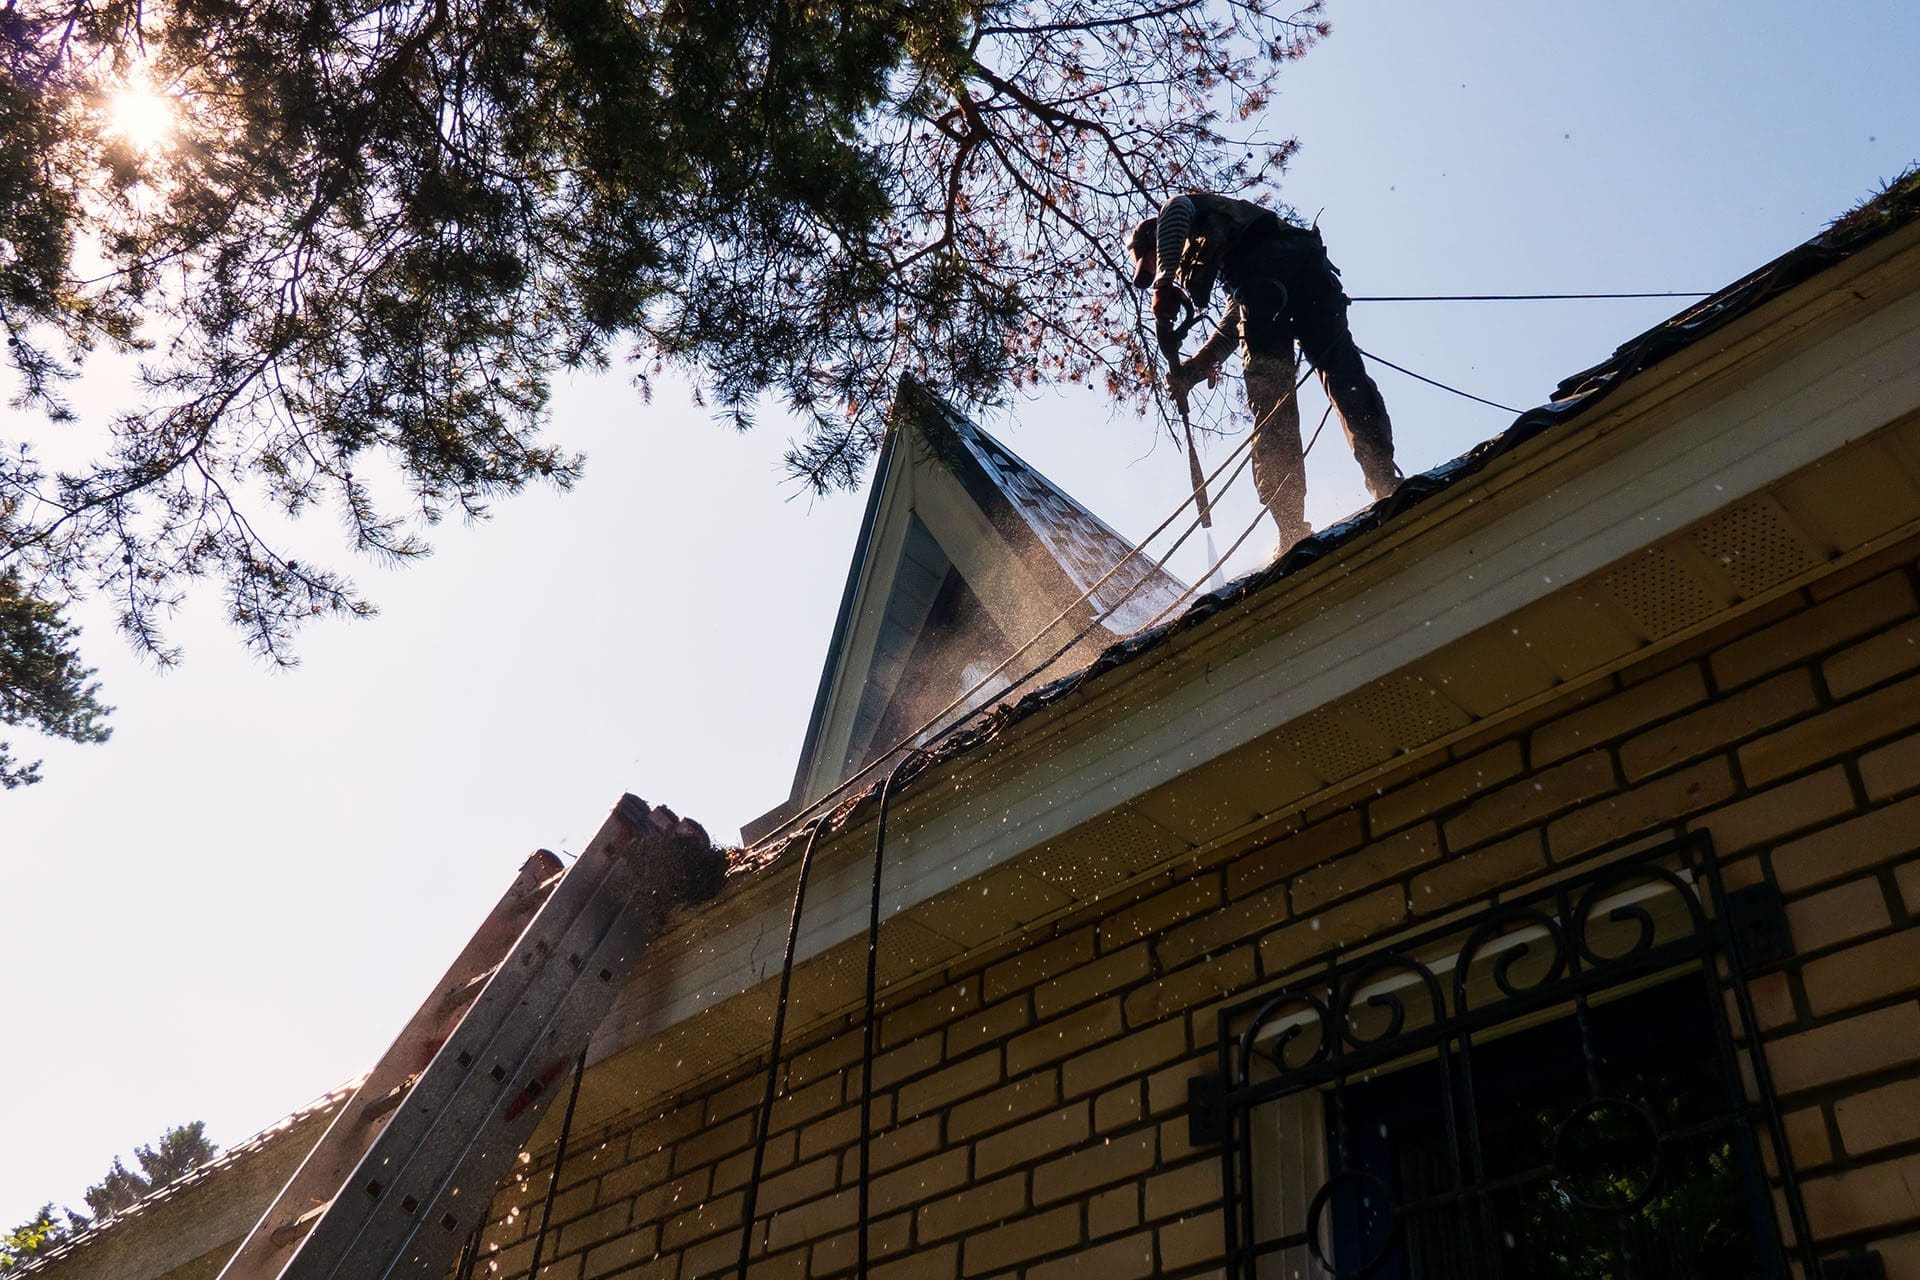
x=1280 y=288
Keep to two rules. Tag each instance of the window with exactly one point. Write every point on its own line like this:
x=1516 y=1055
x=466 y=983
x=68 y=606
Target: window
x=1549 y=1088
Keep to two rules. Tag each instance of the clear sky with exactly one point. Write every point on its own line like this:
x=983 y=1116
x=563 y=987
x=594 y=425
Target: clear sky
x=233 y=905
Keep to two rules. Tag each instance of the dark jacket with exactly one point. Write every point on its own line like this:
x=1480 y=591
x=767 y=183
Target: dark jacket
x=1199 y=232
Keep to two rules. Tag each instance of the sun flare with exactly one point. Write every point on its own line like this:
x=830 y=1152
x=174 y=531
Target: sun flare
x=139 y=116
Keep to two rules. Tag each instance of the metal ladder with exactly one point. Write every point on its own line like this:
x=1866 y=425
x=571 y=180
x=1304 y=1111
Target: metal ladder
x=409 y=1167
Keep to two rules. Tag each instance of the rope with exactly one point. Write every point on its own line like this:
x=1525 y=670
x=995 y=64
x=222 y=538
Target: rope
x=1161 y=616
x=1186 y=595
x=1324 y=415
x=881 y=758
x=1467 y=395
x=773 y=1052
x=559 y=1157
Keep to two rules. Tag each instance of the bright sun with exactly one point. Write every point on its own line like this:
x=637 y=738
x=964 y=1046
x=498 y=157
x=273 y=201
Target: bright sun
x=140 y=116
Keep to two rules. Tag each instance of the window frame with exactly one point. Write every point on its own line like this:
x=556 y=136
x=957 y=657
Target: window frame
x=1671 y=904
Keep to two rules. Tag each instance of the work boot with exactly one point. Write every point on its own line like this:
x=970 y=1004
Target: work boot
x=1290 y=535
x=1382 y=483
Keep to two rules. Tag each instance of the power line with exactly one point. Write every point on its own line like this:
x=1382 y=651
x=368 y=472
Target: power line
x=1468 y=395
x=847 y=784
x=1516 y=297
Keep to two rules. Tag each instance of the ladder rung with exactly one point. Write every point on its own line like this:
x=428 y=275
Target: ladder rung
x=467 y=992
x=284 y=1230
x=387 y=1101
x=287 y=1233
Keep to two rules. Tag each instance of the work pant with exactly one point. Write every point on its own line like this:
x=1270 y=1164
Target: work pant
x=1279 y=464
x=1287 y=289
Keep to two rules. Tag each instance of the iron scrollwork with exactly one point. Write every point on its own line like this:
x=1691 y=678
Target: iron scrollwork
x=1448 y=1012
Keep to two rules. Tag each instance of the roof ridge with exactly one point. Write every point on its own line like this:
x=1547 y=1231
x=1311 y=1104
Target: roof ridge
x=1074 y=550
x=1893 y=209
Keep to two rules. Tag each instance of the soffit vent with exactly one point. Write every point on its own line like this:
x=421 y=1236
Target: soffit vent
x=1407 y=711
x=1660 y=594
x=838 y=979
x=1087 y=862
x=1323 y=745
x=726 y=1032
x=1755 y=547
x=712 y=1039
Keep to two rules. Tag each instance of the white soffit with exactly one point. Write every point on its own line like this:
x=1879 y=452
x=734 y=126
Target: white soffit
x=1809 y=405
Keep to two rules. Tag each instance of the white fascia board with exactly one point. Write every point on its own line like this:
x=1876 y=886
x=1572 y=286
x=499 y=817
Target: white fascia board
x=1759 y=434
x=1808 y=406
x=863 y=625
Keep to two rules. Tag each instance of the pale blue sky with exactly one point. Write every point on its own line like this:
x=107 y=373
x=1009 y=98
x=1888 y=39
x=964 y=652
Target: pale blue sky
x=233 y=905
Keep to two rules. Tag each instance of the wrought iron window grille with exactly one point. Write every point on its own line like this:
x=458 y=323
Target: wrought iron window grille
x=1635 y=952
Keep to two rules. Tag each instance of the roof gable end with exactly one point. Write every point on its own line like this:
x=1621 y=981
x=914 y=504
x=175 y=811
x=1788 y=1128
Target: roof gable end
x=965 y=552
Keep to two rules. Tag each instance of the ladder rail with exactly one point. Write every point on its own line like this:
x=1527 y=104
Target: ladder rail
x=426 y=1178
x=522 y=981
x=487 y=1146
x=437 y=1121
x=313 y=1184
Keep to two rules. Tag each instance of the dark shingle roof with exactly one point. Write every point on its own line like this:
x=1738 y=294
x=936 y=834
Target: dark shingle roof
x=1032 y=510
x=1897 y=206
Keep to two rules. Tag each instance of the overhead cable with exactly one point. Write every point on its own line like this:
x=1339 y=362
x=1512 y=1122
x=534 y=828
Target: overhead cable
x=1516 y=297
x=1421 y=377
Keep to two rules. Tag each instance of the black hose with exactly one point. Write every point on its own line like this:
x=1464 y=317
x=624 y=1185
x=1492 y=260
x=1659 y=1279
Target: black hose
x=470 y=1253
x=873 y=975
x=773 y=1052
x=559 y=1157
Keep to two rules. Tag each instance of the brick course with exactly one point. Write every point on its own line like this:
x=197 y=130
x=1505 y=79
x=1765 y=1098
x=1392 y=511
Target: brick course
x=1030 y=1110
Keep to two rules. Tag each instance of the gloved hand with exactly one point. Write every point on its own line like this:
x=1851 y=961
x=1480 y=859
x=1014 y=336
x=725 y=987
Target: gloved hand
x=1183 y=377
x=1170 y=301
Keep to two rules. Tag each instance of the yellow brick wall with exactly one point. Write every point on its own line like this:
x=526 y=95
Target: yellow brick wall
x=1030 y=1110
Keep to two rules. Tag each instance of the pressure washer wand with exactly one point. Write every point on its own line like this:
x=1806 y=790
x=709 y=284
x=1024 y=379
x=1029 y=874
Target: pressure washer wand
x=1170 y=337
x=1200 y=498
